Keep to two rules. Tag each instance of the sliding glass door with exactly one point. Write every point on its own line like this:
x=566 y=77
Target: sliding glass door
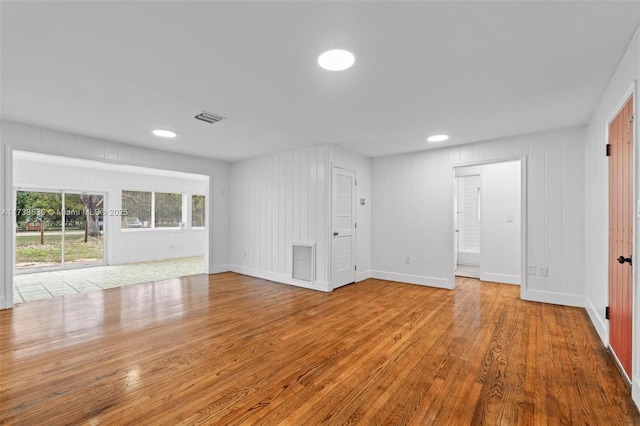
x=58 y=230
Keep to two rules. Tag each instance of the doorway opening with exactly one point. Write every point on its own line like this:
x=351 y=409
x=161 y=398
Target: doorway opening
x=488 y=223
x=467 y=226
x=94 y=235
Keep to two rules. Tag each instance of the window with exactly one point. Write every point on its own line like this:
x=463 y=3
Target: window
x=168 y=210
x=137 y=205
x=197 y=211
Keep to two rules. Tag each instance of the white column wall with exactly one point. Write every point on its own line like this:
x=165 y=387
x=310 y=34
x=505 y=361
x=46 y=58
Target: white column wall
x=284 y=198
x=500 y=242
x=276 y=200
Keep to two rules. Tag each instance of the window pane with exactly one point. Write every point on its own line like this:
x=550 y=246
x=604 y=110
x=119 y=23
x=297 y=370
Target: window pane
x=168 y=210
x=137 y=205
x=197 y=211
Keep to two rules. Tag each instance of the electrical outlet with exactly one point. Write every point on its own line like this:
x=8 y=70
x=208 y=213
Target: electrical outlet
x=532 y=269
x=544 y=271
x=244 y=253
x=509 y=218
x=407 y=260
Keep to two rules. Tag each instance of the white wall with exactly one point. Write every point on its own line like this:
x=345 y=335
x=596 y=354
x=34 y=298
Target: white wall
x=276 y=200
x=284 y=198
x=34 y=139
x=500 y=250
x=122 y=246
x=596 y=179
x=413 y=216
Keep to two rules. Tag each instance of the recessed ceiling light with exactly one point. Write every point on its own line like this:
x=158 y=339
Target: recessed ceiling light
x=164 y=133
x=437 y=138
x=336 y=60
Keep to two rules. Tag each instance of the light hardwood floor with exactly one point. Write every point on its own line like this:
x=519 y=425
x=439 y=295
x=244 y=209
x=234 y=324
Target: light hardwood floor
x=231 y=349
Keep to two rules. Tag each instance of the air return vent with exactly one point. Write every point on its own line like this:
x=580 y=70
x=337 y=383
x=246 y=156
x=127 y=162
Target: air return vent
x=304 y=264
x=208 y=117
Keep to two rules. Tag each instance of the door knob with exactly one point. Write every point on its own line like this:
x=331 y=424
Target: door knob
x=335 y=234
x=623 y=259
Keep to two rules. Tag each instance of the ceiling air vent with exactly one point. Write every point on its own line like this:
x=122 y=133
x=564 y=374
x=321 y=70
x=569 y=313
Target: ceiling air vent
x=208 y=117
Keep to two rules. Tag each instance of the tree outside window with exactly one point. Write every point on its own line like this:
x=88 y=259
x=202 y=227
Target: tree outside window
x=197 y=211
x=137 y=204
x=168 y=210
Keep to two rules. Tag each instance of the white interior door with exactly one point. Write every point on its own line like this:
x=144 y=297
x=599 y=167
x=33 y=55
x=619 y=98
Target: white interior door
x=343 y=224
x=456 y=222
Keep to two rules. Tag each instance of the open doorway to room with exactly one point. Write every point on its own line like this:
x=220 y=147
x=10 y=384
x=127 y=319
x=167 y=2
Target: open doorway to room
x=488 y=221
x=467 y=223
x=113 y=225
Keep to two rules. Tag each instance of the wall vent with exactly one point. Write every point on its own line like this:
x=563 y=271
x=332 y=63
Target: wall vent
x=304 y=261
x=208 y=117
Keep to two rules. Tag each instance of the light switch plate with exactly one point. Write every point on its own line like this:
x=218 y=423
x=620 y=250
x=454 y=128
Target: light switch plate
x=544 y=271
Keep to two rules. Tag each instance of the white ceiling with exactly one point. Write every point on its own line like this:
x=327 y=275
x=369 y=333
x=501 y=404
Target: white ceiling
x=476 y=70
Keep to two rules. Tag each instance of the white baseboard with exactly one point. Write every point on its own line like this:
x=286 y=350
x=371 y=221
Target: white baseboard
x=501 y=278
x=280 y=278
x=635 y=391
x=413 y=279
x=553 y=298
x=217 y=269
x=598 y=321
x=363 y=276
x=3 y=305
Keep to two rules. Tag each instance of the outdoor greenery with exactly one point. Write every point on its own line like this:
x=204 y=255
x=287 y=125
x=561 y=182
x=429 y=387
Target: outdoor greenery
x=197 y=210
x=47 y=207
x=137 y=205
x=166 y=211
x=29 y=249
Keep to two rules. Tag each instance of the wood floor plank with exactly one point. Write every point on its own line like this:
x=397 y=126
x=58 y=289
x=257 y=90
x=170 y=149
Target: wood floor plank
x=231 y=349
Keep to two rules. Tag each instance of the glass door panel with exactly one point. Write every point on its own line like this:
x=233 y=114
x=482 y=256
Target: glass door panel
x=38 y=230
x=83 y=229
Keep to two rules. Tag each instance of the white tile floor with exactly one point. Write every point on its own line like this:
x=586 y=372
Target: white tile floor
x=43 y=285
x=468 y=271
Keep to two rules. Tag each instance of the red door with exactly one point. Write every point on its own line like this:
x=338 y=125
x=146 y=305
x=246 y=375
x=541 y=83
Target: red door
x=620 y=234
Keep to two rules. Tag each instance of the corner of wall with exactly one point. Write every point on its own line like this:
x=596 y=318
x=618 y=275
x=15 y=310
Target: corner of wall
x=635 y=390
x=597 y=321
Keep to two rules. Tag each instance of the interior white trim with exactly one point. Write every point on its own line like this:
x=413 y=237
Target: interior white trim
x=414 y=279
x=553 y=298
x=601 y=327
x=363 y=276
x=8 y=232
x=501 y=278
x=280 y=278
x=218 y=269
